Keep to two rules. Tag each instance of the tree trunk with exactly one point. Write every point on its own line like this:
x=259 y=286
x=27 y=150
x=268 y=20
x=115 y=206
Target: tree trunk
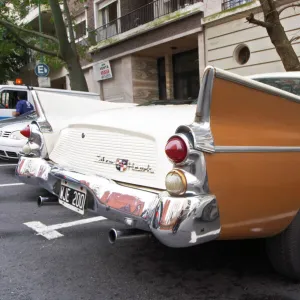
x=278 y=37
x=68 y=53
x=77 y=78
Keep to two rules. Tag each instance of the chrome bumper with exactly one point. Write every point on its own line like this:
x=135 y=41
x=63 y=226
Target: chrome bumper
x=174 y=221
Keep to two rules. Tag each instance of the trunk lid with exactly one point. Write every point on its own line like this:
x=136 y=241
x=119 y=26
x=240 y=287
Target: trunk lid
x=125 y=145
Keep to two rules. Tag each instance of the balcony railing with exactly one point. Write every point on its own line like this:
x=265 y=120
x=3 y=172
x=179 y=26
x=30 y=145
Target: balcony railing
x=140 y=16
x=227 y=4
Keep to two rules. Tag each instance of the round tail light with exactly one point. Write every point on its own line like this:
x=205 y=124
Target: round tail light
x=26 y=131
x=176 y=149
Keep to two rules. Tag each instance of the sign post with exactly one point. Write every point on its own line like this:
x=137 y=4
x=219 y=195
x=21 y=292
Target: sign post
x=42 y=71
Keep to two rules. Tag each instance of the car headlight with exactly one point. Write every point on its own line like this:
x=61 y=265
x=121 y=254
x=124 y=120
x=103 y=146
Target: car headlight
x=16 y=135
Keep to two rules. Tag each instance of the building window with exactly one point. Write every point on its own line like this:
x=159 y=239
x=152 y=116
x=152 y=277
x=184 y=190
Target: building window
x=242 y=54
x=80 y=27
x=107 y=19
x=227 y=4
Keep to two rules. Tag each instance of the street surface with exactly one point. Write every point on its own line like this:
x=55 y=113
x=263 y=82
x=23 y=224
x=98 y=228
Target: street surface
x=81 y=264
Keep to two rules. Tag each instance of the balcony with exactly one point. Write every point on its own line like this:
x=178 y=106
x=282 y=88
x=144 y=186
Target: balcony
x=228 y=4
x=148 y=16
x=32 y=19
x=33 y=13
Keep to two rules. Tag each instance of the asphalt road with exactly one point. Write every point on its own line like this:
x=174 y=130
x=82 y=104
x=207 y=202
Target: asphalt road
x=81 y=264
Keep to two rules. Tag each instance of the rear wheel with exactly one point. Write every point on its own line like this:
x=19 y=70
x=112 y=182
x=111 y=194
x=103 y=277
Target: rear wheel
x=284 y=250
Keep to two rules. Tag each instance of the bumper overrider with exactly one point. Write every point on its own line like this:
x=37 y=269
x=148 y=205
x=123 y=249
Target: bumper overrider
x=175 y=221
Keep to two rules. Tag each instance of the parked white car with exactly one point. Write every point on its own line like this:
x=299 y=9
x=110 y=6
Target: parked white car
x=11 y=140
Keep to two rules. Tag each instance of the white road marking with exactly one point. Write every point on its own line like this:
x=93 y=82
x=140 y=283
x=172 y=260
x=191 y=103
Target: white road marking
x=11 y=184
x=50 y=232
x=8 y=165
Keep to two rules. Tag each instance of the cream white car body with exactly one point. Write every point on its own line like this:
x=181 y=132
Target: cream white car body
x=142 y=136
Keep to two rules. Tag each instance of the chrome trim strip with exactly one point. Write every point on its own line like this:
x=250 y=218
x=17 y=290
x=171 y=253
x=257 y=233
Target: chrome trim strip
x=205 y=96
x=251 y=83
x=200 y=130
x=234 y=149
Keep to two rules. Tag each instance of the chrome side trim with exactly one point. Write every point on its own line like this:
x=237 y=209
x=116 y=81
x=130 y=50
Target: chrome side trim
x=42 y=121
x=234 y=149
x=251 y=83
x=200 y=130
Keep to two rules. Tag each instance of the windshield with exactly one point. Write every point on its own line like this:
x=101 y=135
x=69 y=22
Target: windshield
x=30 y=116
x=291 y=85
x=170 y=102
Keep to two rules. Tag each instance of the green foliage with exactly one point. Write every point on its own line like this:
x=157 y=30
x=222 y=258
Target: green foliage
x=12 y=57
x=46 y=46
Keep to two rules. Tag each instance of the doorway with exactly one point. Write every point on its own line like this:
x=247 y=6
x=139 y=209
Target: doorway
x=186 y=75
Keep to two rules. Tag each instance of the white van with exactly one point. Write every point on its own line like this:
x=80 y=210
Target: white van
x=9 y=93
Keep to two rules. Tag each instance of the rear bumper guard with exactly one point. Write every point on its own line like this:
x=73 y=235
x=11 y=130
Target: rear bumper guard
x=174 y=221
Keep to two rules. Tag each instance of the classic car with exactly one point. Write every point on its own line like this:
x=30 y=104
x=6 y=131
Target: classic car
x=224 y=168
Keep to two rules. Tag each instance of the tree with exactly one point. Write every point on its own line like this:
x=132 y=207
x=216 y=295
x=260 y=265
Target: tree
x=59 y=46
x=277 y=33
x=12 y=57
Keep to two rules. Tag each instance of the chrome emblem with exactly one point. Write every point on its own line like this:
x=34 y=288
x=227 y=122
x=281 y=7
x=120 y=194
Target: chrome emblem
x=124 y=164
x=121 y=164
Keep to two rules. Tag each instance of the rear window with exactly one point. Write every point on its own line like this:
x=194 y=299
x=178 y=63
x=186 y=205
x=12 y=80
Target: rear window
x=291 y=85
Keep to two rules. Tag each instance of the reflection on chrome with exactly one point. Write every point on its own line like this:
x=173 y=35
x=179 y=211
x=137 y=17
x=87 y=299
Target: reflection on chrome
x=172 y=220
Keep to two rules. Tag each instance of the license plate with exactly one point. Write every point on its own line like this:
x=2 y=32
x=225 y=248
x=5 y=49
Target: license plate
x=72 y=196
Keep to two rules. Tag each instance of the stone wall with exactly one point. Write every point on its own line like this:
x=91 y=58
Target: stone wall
x=119 y=88
x=144 y=79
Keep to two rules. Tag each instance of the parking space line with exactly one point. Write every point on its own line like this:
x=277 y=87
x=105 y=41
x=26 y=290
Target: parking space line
x=8 y=165
x=50 y=232
x=11 y=184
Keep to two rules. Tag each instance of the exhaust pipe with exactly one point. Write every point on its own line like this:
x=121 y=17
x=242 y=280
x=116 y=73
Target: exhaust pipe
x=47 y=200
x=114 y=235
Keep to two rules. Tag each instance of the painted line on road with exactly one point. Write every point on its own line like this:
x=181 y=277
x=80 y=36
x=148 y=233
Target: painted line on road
x=11 y=184
x=50 y=232
x=8 y=165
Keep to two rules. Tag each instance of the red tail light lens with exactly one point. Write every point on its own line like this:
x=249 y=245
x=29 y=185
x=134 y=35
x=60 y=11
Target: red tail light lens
x=176 y=149
x=26 y=131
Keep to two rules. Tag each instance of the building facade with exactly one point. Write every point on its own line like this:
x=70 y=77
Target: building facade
x=233 y=44
x=147 y=50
